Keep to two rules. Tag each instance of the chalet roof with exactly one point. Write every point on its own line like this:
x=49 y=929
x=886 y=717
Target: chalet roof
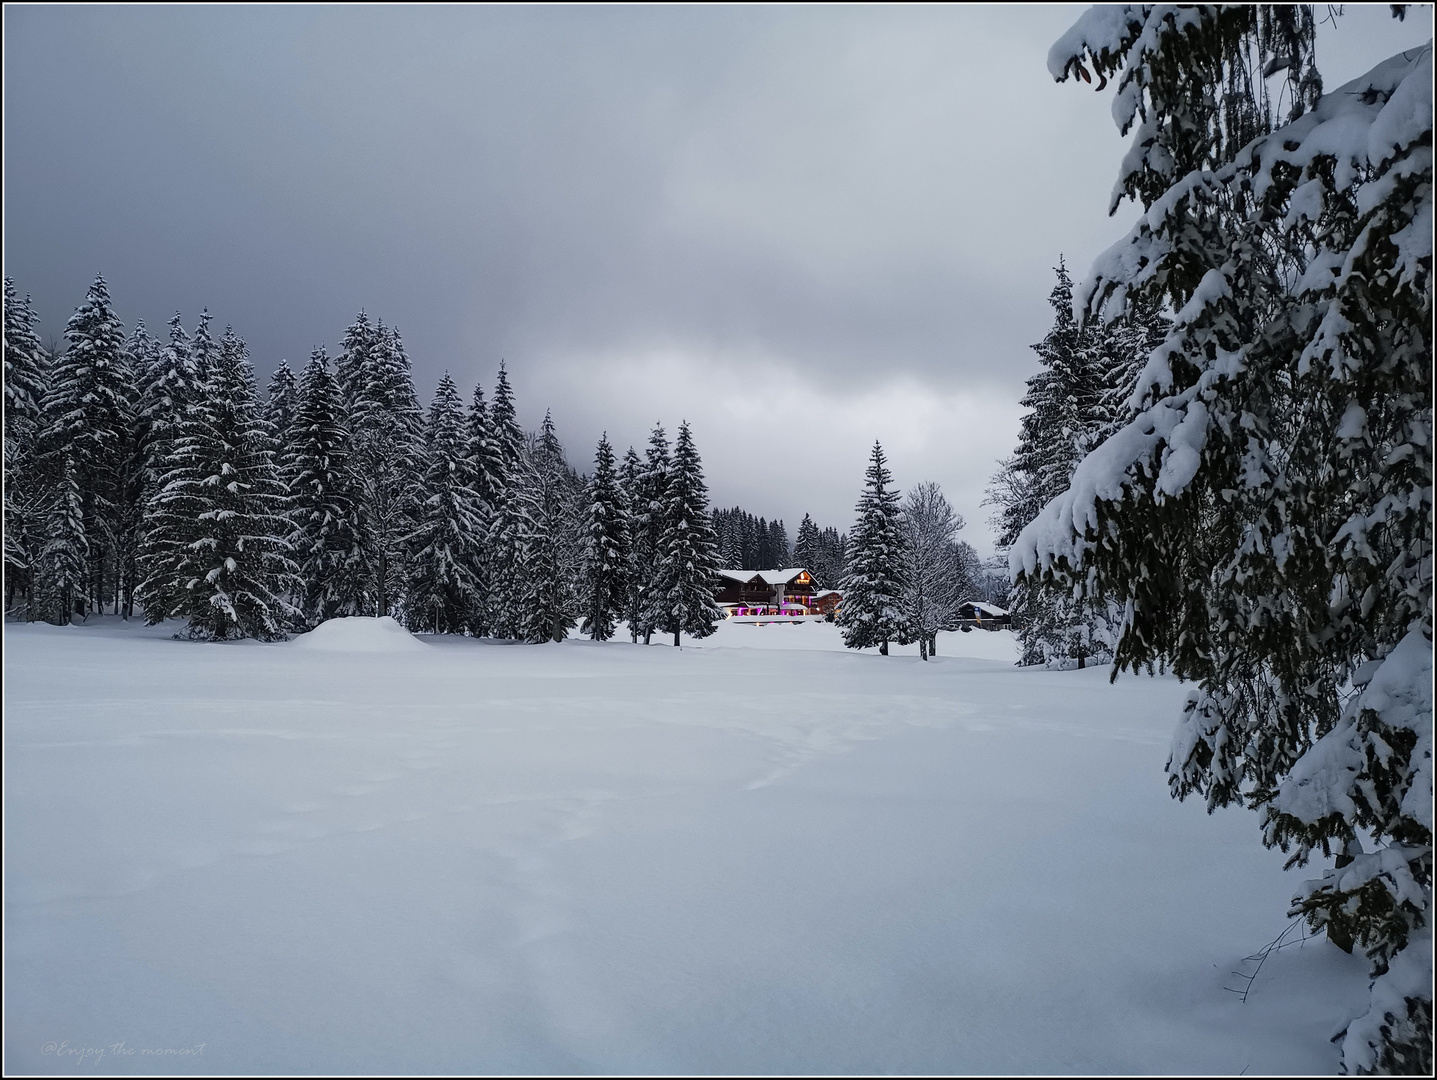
x=766 y=577
x=741 y=576
x=984 y=607
x=826 y=592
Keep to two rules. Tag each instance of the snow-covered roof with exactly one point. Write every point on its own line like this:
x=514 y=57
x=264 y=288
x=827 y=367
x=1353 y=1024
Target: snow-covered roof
x=743 y=576
x=826 y=592
x=781 y=577
x=768 y=577
x=984 y=607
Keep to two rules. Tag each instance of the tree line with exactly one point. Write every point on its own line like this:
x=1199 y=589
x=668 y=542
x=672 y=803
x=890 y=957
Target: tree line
x=146 y=477
x=747 y=542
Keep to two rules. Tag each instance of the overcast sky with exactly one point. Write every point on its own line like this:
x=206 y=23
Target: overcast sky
x=800 y=229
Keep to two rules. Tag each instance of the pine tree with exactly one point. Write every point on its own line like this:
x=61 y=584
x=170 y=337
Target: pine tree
x=649 y=525
x=353 y=365
x=201 y=348
x=486 y=473
x=778 y=551
x=1070 y=404
x=680 y=596
x=502 y=557
x=832 y=557
x=630 y=483
x=216 y=522
x=324 y=502
x=387 y=433
x=805 y=548
x=64 y=559
x=766 y=558
x=728 y=527
x=24 y=382
x=443 y=587
x=142 y=357
x=606 y=553
x=873 y=583
x=1266 y=516
x=89 y=414
x=169 y=393
x=281 y=405
x=27 y=494
x=169 y=386
x=547 y=602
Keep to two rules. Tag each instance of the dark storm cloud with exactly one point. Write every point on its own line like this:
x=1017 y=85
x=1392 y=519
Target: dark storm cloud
x=701 y=212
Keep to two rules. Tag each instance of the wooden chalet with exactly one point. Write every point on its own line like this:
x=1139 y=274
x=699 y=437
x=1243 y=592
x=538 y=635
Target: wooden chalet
x=983 y=615
x=768 y=592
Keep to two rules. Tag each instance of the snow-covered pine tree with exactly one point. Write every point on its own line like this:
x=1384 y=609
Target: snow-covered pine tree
x=201 y=348
x=166 y=388
x=169 y=393
x=547 y=606
x=503 y=555
x=142 y=359
x=24 y=370
x=280 y=406
x=728 y=527
x=680 y=596
x=873 y=583
x=648 y=524
x=832 y=557
x=932 y=575
x=27 y=492
x=805 y=547
x=324 y=502
x=88 y=413
x=444 y=547
x=352 y=365
x=1267 y=515
x=486 y=476
x=1069 y=403
x=217 y=518
x=778 y=550
x=64 y=558
x=631 y=473
x=387 y=430
x=606 y=552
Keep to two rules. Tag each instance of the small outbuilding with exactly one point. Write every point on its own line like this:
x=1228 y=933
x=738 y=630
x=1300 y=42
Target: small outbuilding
x=983 y=615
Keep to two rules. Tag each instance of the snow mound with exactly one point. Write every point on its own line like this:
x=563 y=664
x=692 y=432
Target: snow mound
x=359 y=633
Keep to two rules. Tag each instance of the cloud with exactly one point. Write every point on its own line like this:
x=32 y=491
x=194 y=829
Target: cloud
x=778 y=442
x=855 y=207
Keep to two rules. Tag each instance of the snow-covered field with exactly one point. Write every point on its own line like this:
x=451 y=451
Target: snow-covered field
x=361 y=852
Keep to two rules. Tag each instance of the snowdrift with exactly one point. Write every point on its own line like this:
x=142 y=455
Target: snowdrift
x=359 y=633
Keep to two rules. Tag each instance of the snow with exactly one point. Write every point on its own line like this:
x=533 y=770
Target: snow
x=760 y=853
x=1098 y=30
x=1410 y=976
x=768 y=577
x=358 y=633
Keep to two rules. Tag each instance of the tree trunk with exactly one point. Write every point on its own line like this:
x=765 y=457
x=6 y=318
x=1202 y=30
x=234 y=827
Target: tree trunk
x=923 y=647
x=883 y=648
x=676 y=637
x=933 y=644
x=383 y=583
